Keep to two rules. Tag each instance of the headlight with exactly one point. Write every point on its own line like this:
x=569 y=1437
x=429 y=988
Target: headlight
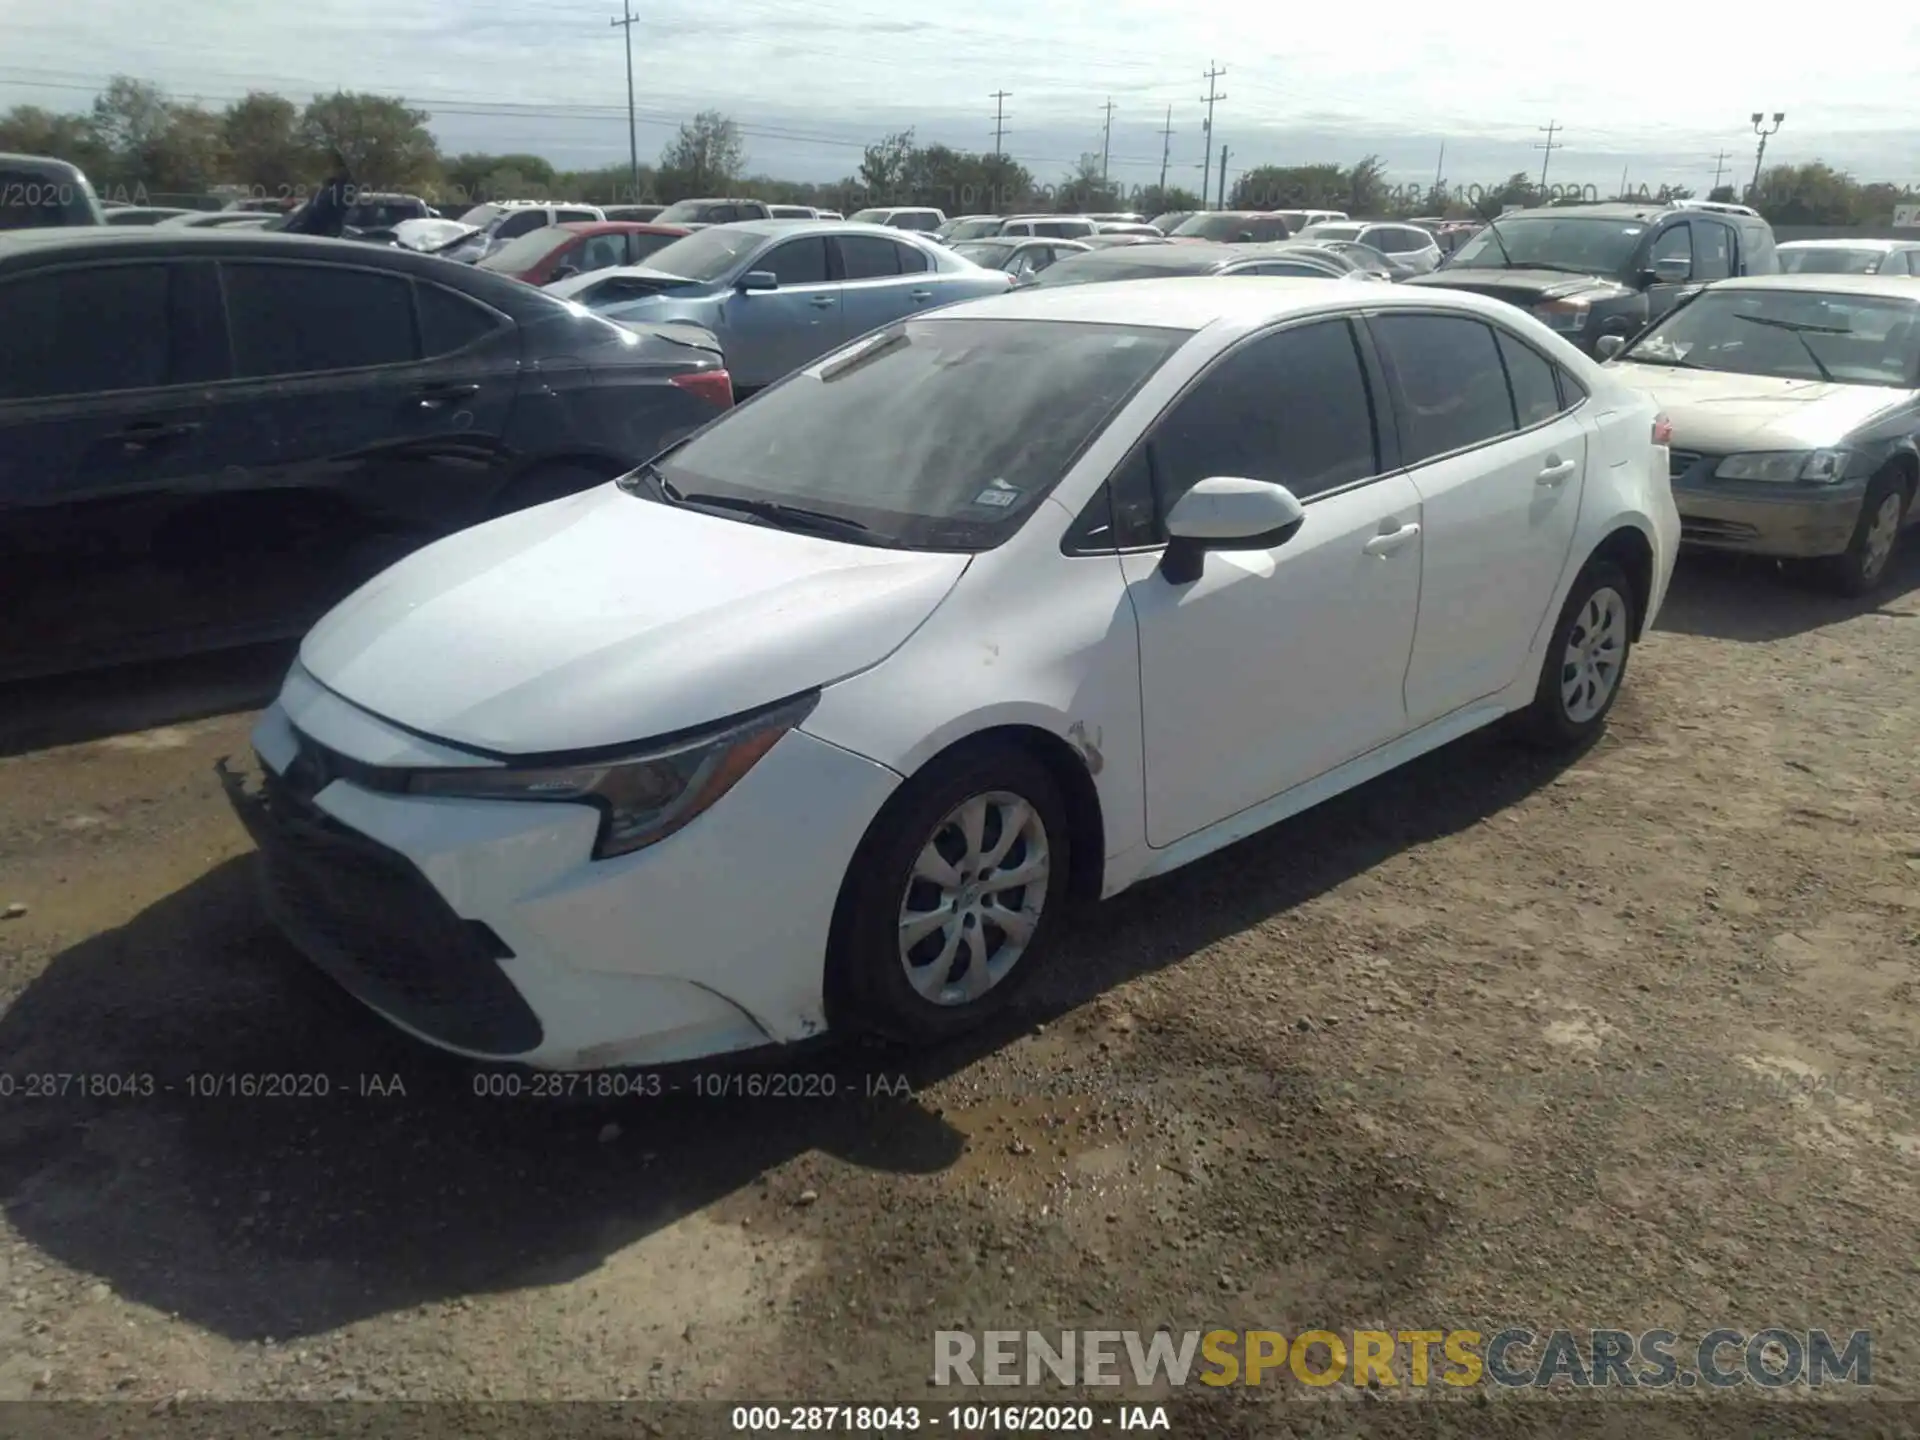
x=1564 y=314
x=643 y=797
x=1817 y=467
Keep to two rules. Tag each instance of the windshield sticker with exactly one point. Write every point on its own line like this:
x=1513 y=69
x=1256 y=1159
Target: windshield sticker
x=999 y=495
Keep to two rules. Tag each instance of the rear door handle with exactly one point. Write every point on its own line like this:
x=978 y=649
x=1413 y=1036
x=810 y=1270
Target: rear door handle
x=824 y=302
x=920 y=294
x=432 y=397
x=1393 y=541
x=143 y=433
x=1556 y=471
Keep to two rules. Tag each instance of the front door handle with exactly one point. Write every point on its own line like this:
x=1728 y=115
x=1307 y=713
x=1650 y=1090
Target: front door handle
x=1556 y=471
x=921 y=294
x=1393 y=541
x=824 y=302
x=432 y=397
x=143 y=433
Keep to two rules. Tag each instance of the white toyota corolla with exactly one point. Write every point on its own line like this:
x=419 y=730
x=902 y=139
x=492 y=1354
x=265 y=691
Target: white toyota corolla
x=825 y=716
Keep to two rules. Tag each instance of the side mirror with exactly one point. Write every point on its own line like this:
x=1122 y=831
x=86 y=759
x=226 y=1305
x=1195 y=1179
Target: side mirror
x=1673 y=270
x=1226 y=512
x=759 y=280
x=1608 y=346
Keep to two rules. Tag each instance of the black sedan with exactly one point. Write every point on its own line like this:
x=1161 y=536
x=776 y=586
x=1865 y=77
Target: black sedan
x=1201 y=257
x=208 y=437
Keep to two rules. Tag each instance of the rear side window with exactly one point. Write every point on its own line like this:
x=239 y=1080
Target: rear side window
x=522 y=223
x=868 y=257
x=450 y=322
x=84 y=332
x=913 y=260
x=1535 y=396
x=306 y=319
x=1452 y=386
x=569 y=216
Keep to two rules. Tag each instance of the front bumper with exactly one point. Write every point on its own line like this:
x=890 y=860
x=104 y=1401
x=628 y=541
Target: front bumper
x=1754 y=518
x=483 y=927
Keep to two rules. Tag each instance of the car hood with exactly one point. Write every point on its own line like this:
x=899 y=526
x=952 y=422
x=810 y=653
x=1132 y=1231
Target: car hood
x=1719 y=412
x=605 y=618
x=430 y=234
x=1535 y=284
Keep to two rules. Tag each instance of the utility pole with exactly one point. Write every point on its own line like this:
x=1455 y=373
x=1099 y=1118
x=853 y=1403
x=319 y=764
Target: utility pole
x=1223 y=179
x=1166 y=150
x=1549 y=146
x=1212 y=97
x=1623 y=181
x=1759 y=128
x=1719 y=169
x=1440 y=173
x=1106 y=144
x=626 y=22
x=999 y=123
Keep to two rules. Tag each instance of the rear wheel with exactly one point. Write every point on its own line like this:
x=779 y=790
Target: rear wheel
x=1586 y=659
x=1861 y=567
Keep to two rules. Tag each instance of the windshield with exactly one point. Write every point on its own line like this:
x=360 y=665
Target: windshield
x=870 y=217
x=984 y=252
x=1166 y=222
x=935 y=434
x=1129 y=262
x=705 y=254
x=479 y=215
x=1216 y=226
x=527 y=251
x=973 y=229
x=1830 y=260
x=1332 y=232
x=685 y=212
x=1588 y=244
x=1791 y=335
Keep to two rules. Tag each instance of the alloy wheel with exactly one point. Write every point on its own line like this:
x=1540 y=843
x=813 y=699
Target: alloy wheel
x=973 y=898
x=1595 y=652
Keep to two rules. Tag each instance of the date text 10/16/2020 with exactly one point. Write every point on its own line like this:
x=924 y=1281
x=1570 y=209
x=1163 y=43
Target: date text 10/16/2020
x=485 y=1084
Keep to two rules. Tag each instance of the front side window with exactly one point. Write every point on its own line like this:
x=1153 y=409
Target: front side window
x=306 y=319
x=1673 y=249
x=1789 y=334
x=84 y=332
x=1713 y=244
x=938 y=433
x=1451 y=384
x=1290 y=407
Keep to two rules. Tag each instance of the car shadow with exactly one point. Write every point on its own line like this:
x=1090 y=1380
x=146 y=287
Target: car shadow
x=378 y=1174
x=1720 y=596
x=92 y=705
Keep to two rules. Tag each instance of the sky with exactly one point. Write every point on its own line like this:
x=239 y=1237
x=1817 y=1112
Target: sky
x=812 y=81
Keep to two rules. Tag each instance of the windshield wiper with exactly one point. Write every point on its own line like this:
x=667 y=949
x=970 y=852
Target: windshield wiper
x=1800 y=333
x=771 y=512
x=1494 y=230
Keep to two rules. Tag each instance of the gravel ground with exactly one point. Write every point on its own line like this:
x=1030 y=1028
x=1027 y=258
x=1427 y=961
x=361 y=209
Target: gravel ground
x=1623 y=1041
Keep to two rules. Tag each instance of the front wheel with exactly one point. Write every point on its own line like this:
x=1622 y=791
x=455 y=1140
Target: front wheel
x=1586 y=659
x=954 y=896
x=1861 y=567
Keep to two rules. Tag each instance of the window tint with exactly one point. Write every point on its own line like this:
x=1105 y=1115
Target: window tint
x=1572 y=392
x=723 y=214
x=565 y=216
x=797 y=262
x=597 y=252
x=913 y=260
x=1452 y=387
x=1387 y=239
x=1713 y=251
x=521 y=223
x=450 y=322
x=865 y=257
x=1534 y=396
x=297 y=319
x=81 y=332
x=1291 y=408
x=640 y=245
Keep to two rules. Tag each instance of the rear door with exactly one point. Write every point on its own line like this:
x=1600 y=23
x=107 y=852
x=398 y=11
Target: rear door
x=376 y=410
x=1499 y=464
x=104 y=436
x=772 y=332
x=876 y=289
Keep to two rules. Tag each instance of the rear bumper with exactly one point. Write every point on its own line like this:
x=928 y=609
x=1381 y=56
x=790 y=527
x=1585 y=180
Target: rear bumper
x=1787 y=522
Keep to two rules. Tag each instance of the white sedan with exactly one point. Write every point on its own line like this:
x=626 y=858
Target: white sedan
x=822 y=719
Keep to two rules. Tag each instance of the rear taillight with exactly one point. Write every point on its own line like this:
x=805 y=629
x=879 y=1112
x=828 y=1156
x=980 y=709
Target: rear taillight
x=1662 y=430
x=713 y=386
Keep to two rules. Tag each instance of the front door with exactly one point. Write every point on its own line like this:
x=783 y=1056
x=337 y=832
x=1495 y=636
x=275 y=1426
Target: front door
x=770 y=333
x=1499 y=465
x=1275 y=665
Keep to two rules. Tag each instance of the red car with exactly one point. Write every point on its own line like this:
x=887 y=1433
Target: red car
x=554 y=252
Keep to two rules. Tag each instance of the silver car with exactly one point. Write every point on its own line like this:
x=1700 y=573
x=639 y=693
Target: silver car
x=781 y=293
x=1409 y=250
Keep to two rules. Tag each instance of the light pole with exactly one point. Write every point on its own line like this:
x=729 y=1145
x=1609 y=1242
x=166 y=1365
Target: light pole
x=1760 y=129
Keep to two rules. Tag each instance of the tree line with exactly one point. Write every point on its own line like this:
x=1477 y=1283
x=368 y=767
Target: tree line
x=135 y=142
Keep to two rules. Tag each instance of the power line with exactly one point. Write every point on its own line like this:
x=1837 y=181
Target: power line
x=1206 y=143
x=1549 y=146
x=1106 y=143
x=1000 y=97
x=626 y=23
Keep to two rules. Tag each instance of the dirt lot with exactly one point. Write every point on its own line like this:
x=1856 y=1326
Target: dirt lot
x=1626 y=1042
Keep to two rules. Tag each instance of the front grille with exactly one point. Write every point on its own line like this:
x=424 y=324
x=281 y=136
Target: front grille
x=1716 y=532
x=368 y=917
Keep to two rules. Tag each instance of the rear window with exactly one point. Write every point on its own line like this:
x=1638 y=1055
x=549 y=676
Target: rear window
x=31 y=199
x=529 y=250
x=938 y=434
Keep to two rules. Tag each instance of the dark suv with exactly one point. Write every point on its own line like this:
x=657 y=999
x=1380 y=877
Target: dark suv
x=208 y=437
x=37 y=191
x=713 y=212
x=1595 y=270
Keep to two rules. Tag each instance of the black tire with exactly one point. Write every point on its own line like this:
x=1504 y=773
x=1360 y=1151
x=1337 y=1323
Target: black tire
x=867 y=972
x=550 y=482
x=1858 y=570
x=1550 y=721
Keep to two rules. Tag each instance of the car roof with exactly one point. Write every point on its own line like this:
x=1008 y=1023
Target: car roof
x=1193 y=302
x=620 y=227
x=787 y=229
x=1862 y=243
x=1891 y=287
x=46 y=162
